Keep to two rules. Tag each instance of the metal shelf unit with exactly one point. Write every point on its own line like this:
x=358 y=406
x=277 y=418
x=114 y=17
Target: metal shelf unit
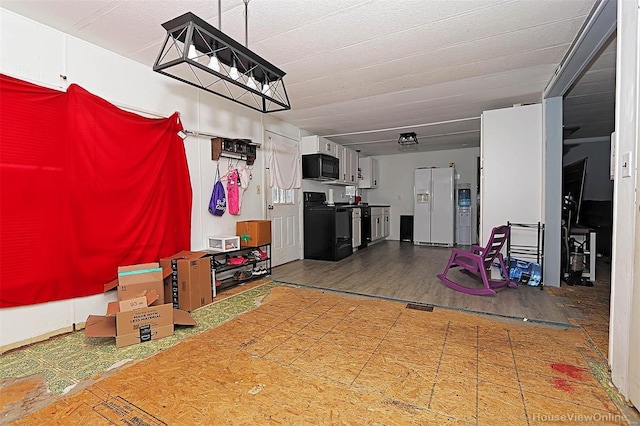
x=529 y=252
x=223 y=266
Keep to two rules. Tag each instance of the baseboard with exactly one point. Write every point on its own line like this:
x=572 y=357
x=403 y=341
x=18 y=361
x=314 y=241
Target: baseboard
x=36 y=339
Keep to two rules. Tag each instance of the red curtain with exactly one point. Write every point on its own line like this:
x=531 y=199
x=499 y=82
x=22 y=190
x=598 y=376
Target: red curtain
x=84 y=187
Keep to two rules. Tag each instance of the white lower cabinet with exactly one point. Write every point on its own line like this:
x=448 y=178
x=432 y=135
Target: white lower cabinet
x=356 y=228
x=385 y=222
x=379 y=223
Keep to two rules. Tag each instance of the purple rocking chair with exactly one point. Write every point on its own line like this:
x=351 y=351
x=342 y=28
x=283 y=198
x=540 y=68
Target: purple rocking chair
x=477 y=264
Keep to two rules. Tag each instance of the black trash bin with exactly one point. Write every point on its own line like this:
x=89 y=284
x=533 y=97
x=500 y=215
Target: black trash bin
x=406 y=228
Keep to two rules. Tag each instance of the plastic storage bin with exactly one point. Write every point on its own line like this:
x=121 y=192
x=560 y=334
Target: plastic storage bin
x=223 y=243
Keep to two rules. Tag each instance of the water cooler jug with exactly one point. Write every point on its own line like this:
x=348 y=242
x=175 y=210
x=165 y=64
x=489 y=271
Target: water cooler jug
x=463 y=215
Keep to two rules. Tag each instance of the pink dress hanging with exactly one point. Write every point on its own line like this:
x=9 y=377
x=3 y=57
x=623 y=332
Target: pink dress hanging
x=233 y=193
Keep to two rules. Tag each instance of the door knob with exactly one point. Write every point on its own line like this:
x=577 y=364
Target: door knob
x=270 y=207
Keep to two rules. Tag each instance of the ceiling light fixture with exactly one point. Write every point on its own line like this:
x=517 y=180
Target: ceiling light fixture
x=408 y=142
x=187 y=35
x=408 y=139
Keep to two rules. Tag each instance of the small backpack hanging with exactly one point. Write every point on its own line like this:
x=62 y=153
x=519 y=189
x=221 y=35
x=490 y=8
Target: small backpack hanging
x=218 y=201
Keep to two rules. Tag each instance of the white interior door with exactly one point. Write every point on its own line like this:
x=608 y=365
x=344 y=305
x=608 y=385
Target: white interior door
x=284 y=171
x=284 y=213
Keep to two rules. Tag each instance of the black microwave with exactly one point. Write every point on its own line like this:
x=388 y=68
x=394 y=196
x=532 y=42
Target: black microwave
x=320 y=167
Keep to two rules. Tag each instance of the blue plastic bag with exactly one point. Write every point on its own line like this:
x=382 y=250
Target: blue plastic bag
x=524 y=272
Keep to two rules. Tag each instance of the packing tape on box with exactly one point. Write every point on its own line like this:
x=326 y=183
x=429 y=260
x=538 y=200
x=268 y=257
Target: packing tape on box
x=138 y=271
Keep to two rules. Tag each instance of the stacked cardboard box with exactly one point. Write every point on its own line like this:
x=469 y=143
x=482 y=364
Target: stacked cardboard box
x=140 y=313
x=190 y=285
x=254 y=233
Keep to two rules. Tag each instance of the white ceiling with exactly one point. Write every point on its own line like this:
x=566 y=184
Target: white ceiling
x=357 y=66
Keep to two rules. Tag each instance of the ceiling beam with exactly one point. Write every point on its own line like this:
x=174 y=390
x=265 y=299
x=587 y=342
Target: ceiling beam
x=364 y=132
x=594 y=34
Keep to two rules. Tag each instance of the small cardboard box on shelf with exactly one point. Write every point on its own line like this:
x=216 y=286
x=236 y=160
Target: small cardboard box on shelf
x=254 y=233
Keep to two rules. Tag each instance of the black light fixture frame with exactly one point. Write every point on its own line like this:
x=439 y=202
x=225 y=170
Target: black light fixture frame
x=189 y=30
x=409 y=138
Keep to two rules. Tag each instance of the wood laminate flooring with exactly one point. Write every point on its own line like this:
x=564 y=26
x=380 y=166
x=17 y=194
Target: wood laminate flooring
x=402 y=271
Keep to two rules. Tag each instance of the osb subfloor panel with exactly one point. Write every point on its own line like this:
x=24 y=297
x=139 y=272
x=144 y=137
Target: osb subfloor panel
x=312 y=357
x=593 y=303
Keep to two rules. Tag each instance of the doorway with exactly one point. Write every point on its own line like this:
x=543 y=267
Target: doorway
x=283 y=196
x=283 y=211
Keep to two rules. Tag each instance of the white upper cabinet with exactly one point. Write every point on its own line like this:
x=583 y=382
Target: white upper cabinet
x=348 y=158
x=317 y=144
x=369 y=171
x=348 y=166
x=344 y=166
x=352 y=161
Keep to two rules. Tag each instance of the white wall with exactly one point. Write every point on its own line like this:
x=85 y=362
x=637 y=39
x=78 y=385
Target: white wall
x=624 y=326
x=512 y=170
x=316 y=186
x=597 y=185
x=39 y=54
x=395 y=185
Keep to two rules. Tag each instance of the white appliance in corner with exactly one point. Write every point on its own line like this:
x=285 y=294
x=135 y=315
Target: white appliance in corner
x=434 y=206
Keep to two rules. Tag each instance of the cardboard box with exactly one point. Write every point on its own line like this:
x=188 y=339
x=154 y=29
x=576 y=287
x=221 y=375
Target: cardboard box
x=259 y=232
x=135 y=280
x=133 y=321
x=190 y=284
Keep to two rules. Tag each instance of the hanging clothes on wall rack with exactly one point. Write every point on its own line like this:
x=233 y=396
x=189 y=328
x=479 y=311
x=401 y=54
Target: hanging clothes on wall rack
x=233 y=192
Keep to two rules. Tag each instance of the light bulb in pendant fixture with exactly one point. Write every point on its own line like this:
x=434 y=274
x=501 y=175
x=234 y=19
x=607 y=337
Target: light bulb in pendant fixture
x=251 y=82
x=193 y=54
x=233 y=72
x=265 y=87
x=214 y=63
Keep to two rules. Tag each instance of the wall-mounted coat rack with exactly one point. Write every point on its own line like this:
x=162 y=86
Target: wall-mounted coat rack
x=240 y=149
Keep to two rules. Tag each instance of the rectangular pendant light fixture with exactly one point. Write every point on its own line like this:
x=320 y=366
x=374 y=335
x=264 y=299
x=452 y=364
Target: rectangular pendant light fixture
x=199 y=54
x=408 y=139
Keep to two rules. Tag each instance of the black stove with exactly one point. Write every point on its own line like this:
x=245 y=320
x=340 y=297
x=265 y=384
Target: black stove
x=327 y=229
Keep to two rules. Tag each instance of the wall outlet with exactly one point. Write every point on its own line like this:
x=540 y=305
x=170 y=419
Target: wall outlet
x=258 y=189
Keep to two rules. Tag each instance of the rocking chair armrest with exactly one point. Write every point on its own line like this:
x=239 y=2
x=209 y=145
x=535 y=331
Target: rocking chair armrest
x=477 y=249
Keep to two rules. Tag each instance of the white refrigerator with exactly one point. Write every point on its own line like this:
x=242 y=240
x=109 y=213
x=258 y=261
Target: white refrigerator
x=434 y=206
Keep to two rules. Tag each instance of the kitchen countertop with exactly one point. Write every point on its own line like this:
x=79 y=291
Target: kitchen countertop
x=352 y=206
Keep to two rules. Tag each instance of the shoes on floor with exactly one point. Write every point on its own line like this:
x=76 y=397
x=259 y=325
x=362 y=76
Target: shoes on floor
x=242 y=275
